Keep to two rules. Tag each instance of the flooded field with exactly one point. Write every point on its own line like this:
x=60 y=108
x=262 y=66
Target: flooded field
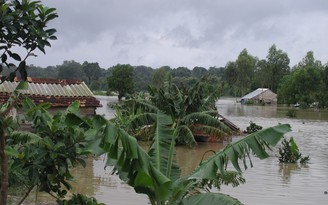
x=268 y=182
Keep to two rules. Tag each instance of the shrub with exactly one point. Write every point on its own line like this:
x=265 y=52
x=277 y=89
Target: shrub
x=290 y=153
x=291 y=113
x=79 y=199
x=252 y=128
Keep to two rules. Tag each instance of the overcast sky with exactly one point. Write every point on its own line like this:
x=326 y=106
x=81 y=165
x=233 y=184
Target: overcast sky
x=184 y=32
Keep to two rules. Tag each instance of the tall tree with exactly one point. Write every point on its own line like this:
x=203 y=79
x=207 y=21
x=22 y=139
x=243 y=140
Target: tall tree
x=121 y=80
x=309 y=61
x=261 y=75
x=306 y=83
x=230 y=76
x=277 y=66
x=245 y=70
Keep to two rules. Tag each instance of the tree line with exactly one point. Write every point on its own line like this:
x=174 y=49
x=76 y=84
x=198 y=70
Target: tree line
x=305 y=83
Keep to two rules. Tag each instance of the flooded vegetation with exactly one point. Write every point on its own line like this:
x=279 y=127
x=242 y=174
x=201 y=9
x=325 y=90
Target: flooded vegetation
x=269 y=182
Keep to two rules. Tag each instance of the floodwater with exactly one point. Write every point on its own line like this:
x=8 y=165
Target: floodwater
x=268 y=182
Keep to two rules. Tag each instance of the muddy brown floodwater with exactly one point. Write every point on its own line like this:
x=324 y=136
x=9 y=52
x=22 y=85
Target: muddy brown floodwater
x=268 y=182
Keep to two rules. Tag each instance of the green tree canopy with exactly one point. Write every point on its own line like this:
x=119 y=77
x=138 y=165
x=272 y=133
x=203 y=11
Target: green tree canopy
x=71 y=70
x=198 y=72
x=217 y=71
x=158 y=77
x=245 y=70
x=92 y=71
x=306 y=83
x=277 y=66
x=23 y=25
x=181 y=72
x=121 y=80
x=142 y=77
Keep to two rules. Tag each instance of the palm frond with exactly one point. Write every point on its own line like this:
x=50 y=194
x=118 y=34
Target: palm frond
x=162 y=150
x=228 y=178
x=210 y=198
x=241 y=149
x=207 y=124
x=142 y=119
x=23 y=137
x=144 y=105
x=132 y=162
x=185 y=136
x=213 y=132
x=200 y=118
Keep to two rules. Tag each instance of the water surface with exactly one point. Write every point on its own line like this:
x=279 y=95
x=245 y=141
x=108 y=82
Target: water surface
x=269 y=182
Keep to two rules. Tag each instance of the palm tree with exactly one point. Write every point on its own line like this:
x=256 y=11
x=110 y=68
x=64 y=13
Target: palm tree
x=156 y=174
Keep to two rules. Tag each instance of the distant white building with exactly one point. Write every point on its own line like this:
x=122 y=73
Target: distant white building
x=260 y=95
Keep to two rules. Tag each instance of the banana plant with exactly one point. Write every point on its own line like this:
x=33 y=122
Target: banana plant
x=189 y=110
x=155 y=172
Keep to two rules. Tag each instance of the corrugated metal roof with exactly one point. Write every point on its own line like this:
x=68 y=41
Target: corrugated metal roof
x=72 y=90
x=254 y=93
x=59 y=93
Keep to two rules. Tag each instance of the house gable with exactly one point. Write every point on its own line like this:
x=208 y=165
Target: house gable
x=260 y=95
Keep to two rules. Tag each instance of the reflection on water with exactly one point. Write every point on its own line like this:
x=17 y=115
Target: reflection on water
x=269 y=182
x=96 y=181
x=230 y=108
x=287 y=170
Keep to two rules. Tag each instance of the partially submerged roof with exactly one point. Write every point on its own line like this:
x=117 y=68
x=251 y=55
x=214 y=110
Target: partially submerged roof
x=254 y=93
x=60 y=93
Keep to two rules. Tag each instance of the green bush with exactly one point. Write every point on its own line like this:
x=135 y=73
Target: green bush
x=290 y=153
x=252 y=128
x=291 y=113
x=79 y=199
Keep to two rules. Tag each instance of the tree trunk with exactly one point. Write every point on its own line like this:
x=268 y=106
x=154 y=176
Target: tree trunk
x=4 y=168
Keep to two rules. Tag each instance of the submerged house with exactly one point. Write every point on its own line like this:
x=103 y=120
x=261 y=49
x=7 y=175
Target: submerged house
x=260 y=95
x=59 y=93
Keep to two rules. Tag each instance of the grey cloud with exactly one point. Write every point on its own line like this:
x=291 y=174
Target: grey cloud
x=207 y=32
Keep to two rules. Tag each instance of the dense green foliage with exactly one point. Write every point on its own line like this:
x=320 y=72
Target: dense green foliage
x=306 y=83
x=23 y=27
x=79 y=199
x=121 y=80
x=253 y=127
x=44 y=156
x=156 y=174
x=189 y=108
x=290 y=153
